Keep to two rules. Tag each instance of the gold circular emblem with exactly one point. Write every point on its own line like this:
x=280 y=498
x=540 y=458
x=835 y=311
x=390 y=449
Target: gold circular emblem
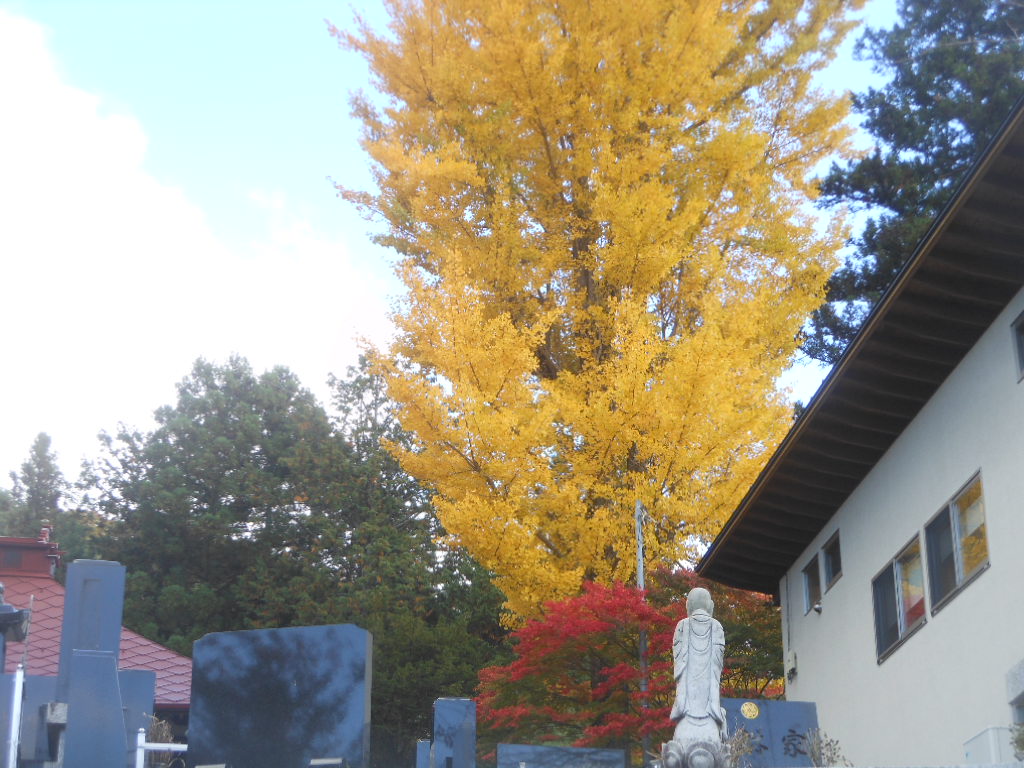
x=750 y=710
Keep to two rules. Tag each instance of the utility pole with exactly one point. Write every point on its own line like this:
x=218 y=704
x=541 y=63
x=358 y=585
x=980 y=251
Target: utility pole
x=641 y=517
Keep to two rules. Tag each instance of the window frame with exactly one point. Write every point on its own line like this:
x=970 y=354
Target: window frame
x=12 y=558
x=832 y=578
x=814 y=565
x=1017 y=331
x=960 y=577
x=1017 y=707
x=903 y=631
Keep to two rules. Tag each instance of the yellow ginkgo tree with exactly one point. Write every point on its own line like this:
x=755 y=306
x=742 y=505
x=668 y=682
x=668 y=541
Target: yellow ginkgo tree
x=603 y=216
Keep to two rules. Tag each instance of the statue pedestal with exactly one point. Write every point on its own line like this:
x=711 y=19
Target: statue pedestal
x=694 y=753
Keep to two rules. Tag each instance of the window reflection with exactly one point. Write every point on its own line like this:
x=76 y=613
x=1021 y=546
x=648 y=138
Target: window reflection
x=911 y=584
x=898 y=593
x=812 y=585
x=974 y=547
x=957 y=542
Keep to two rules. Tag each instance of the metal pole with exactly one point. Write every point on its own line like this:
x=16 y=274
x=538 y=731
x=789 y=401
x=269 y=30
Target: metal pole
x=641 y=513
x=15 y=734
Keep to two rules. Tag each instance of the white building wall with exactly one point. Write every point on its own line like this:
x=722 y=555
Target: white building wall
x=948 y=681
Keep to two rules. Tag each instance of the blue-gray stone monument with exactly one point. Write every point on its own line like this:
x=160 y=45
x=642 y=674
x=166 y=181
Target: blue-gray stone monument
x=778 y=728
x=454 y=734
x=423 y=753
x=89 y=737
x=35 y=735
x=93 y=603
x=88 y=715
x=281 y=698
x=90 y=723
x=530 y=756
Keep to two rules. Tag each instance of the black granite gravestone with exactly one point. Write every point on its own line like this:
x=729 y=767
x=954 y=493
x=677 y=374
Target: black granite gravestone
x=280 y=698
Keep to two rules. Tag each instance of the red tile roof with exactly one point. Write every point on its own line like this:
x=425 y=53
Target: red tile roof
x=173 y=671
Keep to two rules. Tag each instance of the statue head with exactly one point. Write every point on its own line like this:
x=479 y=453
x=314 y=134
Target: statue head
x=699 y=599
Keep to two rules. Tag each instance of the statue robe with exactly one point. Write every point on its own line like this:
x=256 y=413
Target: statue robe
x=698 y=652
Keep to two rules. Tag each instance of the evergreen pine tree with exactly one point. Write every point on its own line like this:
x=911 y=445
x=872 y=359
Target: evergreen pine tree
x=955 y=71
x=37 y=492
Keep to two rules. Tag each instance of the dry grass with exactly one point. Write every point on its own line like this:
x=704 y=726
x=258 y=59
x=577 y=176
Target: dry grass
x=823 y=750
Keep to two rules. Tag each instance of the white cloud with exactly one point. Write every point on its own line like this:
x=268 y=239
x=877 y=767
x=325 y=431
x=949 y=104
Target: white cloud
x=311 y=304
x=113 y=282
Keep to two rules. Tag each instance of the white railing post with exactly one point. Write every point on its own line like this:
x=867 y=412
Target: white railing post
x=15 y=735
x=142 y=746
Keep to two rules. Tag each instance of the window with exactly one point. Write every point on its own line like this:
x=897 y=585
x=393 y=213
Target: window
x=898 y=593
x=1018 y=343
x=12 y=558
x=1018 y=710
x=833 y=561
x=957 y=546
x=812 y=585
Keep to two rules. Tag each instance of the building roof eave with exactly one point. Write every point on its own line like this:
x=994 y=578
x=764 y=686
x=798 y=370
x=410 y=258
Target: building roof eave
x=960 y=277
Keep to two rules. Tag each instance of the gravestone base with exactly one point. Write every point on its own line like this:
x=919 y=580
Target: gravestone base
x=530 y=756
x=56 y=719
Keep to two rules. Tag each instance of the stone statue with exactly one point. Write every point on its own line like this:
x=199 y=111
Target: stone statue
x=698 y=650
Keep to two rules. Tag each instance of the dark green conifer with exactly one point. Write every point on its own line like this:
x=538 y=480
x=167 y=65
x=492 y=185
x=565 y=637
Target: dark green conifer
x=955 y=71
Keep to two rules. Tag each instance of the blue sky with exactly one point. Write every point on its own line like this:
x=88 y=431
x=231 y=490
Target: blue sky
x=164 y=196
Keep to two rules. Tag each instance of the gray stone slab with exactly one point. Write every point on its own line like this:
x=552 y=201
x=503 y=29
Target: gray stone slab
x=454 y=734
x=279 y=698
x=6 y=692
x=138 y=692
x=530 y=756
x=95 y=734
x=94 y=599
x=35 y=747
